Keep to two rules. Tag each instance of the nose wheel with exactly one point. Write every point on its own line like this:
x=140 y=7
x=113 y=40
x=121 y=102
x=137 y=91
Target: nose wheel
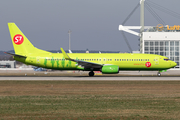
x=159 y=74
x=91 y=73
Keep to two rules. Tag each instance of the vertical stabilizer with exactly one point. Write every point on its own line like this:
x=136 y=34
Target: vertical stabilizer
x=22 y=46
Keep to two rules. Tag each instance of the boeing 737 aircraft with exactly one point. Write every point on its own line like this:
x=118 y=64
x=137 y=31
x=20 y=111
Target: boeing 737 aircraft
x=107 y=63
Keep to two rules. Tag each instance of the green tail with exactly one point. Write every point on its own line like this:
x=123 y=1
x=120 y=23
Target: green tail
x=22 y=46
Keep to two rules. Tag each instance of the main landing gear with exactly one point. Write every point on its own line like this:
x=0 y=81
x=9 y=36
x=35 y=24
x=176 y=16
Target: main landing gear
x=91 y=73
x=159 y=74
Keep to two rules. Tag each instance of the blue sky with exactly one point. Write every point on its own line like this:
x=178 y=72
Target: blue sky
x=94 y=23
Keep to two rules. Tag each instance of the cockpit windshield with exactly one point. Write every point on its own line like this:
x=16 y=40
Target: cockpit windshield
x=166 y=59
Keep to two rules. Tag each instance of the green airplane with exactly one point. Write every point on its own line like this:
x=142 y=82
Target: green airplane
x=107 y=63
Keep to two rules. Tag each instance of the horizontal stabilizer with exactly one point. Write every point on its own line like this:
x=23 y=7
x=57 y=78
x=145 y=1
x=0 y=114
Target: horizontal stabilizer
x=12 y=54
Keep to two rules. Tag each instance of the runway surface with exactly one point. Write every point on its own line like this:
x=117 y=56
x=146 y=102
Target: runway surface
x=75 y=75
x=91 y=78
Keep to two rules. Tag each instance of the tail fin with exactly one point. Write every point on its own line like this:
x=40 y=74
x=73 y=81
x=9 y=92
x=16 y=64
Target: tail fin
x=22 y=46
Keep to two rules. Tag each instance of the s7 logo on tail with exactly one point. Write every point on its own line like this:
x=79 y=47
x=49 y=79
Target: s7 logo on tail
x=18 y=39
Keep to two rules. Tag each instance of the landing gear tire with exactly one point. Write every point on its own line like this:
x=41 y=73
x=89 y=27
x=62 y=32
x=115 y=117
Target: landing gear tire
x=159 y=74
x=91 y=73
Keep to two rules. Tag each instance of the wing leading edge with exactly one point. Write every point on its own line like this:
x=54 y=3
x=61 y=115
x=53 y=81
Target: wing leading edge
x=82 y=63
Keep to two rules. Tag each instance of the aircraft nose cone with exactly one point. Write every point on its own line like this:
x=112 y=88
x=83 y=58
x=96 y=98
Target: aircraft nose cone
x=173 y=64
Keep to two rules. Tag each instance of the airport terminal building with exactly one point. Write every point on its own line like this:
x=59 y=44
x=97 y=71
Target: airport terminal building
x=161 y=39
x=7 y=64
x=164 y=42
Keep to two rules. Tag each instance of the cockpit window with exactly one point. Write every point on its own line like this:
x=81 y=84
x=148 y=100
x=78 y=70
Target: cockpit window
x=166 y=59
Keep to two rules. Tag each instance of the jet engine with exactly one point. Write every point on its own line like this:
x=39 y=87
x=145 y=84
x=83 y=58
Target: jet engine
x=110 y=69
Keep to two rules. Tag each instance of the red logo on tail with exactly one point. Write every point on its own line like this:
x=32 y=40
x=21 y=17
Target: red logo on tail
x=148 y=64
x=18 y=39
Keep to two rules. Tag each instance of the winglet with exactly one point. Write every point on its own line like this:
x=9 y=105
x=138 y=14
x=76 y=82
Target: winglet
x=65 y=54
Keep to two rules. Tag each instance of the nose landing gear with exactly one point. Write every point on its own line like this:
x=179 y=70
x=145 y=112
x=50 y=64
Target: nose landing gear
x=159 y=74
x=91 y=73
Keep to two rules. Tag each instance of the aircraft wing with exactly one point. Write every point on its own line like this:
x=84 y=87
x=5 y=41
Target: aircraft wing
x=82 y=63
x=12 y=54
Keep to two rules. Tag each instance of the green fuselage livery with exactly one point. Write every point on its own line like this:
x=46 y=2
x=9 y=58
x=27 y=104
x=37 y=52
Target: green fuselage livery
x=107 y=63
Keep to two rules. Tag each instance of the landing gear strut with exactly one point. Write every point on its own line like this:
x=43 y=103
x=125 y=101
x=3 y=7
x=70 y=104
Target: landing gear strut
x=91 y=73
x=159 y=74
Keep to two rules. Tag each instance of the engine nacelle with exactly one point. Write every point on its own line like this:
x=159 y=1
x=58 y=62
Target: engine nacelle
x=110 y=69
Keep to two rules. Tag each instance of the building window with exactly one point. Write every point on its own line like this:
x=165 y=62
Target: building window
x=176 y=48
x=162 y=53
x=172 y=43
x=161 y=44
x=176 y=43
x=146 y=43
x=166 y=54
x=172 y=58
x=151 y=48
x=146 y=48
x=151 y=43
x=156 y=43
x=171 y=48
x=176 y=53
x=167 y=43
x=172 y=54
x=156 y=48
x=177 y=59
x=166 y=48
x=161 y=48
x=157 y=53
